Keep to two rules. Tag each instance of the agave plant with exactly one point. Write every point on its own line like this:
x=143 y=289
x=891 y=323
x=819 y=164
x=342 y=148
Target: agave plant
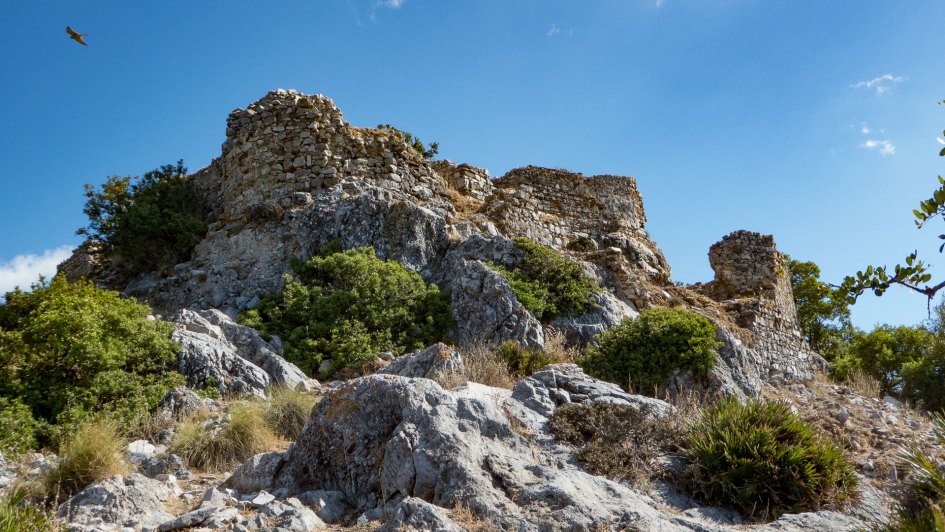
x=927 y=483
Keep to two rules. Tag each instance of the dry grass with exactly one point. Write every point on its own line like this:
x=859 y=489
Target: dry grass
x=484 y=367
x=95 y=451
x=557 y=349
x=863 y=384
x=288 y=410
x=463 y=516
x=149 y=427
x=216 y=446
x=465 y=205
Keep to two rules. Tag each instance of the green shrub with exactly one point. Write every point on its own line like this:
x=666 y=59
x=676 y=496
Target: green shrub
x=70 y=351
x=644 y=351
x=288 y=410
x=616 y=440
x=221 y=444
x=146 y=223
x=17 y=427
x=348 y=306
x=17 y=515
x=548 y=284
x=762 y=460
x=95 y=451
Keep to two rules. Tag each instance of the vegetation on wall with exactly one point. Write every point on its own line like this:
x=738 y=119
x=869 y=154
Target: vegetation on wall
x=145 y=223
x=74 y=351
x=428 y=151
x=348 y=306
x=548 y=284
x=642 y=352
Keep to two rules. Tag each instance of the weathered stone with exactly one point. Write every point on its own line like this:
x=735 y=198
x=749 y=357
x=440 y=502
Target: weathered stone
x=609 y=312
x=436 y=362
x=257 y=473
x=133 y=501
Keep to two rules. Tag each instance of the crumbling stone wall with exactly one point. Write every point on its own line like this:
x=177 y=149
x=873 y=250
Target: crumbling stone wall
x=465 y=179
x=566 y=210
x=288 y=145
x=752 y=283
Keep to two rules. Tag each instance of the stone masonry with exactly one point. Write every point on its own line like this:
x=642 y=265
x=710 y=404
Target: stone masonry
x=751 y=282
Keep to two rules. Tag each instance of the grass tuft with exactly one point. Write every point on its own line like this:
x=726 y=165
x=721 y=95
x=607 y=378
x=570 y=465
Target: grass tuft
x=94 y=452
x=217 y=445
x=288 y=410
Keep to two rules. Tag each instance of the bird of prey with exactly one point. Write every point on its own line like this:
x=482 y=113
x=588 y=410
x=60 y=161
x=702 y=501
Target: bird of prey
x=76 y=36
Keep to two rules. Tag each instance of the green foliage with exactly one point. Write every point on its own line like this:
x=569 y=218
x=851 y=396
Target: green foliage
x=921 y=509
x=643 y=352
x=762 y=460
x=548 y=284
x=522 y=361
x=73 y=351
x=95 y=451
x=822 y=311
x=348 y=306
x=146 y=223
x=17 y=515
x=885 y=352
x=616 y=440
x=17 y=427
x=219 y=445
x=427 y=152
x=914 y=274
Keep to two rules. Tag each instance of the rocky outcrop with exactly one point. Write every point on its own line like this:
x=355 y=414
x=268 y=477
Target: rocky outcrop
x=439 y=362
x=135 y=502
x=216 y=351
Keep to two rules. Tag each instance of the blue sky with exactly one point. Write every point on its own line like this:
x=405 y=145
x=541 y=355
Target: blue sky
x=813 y=121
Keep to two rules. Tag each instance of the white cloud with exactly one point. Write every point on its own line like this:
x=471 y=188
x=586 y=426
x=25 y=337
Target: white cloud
x=881 y=84
x=393 y=4
x=659 y=3
x=553 y=31
x=865 y=129
x=24 y=270
x=884 y=147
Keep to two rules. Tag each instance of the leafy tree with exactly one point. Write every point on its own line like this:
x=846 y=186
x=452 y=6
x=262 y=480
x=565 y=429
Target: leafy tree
x=426 y=151
x=349 y=306
x=146 y=223
x=885 y=352
x=914 y=274
x=72 y=351
x=822 y=311
x=645 y=351
x=548 y=284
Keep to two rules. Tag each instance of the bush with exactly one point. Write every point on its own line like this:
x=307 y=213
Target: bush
x=616 y=440
x=482 y=365
x=521 y=361
x=94 y=452
x=17 y=427
x=548 y=284
x=645 y=351
x=427 y=152
x=348 y=306
x=217 y=445
x=921 y=508
x=288 y=410
x=146 y=223
x=16 y=515
x=71 y=351
x=762 y=460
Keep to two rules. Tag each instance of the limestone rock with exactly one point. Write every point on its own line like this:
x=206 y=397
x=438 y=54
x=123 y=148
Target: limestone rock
x=417 y=514
x=609 y=312
x=486 y=309
x=134 y=501
x=437 y=362
x=257 y=473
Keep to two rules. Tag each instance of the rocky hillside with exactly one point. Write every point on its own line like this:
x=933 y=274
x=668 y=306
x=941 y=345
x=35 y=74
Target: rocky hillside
x=420 y=445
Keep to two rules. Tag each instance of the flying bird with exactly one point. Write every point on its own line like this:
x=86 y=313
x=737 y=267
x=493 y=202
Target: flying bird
x=76 y=36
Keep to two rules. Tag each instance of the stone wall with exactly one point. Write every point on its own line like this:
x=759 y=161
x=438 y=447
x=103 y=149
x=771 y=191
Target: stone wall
x=288 y=145
x=566 y=210
x=752 y=284
x=465 y=179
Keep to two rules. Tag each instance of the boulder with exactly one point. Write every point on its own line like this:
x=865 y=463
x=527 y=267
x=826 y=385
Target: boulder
x=437 y=362
x=256 y=474
x=486 y=309
x=609 y=311
x=134 y=501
